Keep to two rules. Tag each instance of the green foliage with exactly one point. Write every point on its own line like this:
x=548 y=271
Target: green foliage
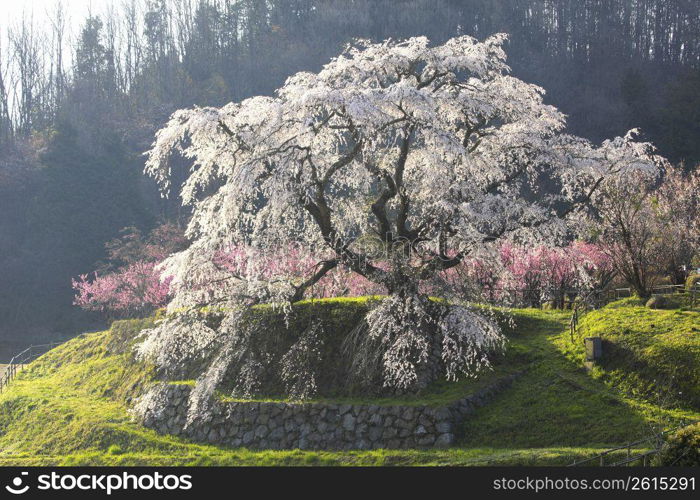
x=654 y=354
x=682 y=448
x=692 y=282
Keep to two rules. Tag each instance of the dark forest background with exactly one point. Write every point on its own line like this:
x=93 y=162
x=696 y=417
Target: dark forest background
x=73 y=129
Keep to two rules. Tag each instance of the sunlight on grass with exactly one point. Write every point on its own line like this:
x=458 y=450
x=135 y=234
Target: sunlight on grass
x=71 y=408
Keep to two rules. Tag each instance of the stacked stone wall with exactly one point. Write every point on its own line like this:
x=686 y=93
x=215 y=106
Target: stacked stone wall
x=277 y=425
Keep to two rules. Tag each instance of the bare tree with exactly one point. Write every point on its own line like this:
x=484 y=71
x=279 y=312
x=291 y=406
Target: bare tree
x=28 y=59
x=629 y=229
x=57 y=73
x=5 y=113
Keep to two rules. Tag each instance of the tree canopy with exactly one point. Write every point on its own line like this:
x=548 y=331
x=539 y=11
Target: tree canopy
x=396 y=161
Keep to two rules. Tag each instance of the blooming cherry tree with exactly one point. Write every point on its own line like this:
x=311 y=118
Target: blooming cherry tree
x=546 y=273
x=129 y=292
x=396 y=162
x=129 y=283
x=678 y=214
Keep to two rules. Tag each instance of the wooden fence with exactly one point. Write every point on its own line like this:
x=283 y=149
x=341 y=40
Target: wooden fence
x=568 y=298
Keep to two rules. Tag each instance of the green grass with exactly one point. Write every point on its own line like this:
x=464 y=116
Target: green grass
x=70 y=407
x=201 y=455
x=648 y=353
x=557 y=403
x=438 y=394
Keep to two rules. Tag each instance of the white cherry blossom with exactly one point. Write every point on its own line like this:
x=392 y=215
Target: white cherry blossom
x=434 y=151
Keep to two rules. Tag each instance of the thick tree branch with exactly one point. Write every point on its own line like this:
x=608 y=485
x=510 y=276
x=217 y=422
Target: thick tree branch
x=323 y=268
x=394 y=186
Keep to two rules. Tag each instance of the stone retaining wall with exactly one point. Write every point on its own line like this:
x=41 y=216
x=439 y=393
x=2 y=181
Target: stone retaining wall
x=271 y=425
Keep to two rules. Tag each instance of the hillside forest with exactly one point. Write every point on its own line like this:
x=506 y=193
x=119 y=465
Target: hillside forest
x=81 y=99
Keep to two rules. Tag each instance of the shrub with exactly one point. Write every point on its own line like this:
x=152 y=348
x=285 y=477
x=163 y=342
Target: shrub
x=633 y=301
x=692 y=282
x=682 y=448
x=657 y=302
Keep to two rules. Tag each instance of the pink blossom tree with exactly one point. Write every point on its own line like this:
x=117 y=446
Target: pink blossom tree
x=521 y=275
x=129 y=283
x=134 y=290
x=678 y=214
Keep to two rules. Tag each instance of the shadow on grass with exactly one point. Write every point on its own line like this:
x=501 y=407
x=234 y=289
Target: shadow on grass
x=555 y=403
x=70 y=409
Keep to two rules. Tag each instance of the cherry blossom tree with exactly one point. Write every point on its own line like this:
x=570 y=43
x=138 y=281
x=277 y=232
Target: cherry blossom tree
x=546 y=273
x=629 y=230
x=678 y=214
x=396 y=162
x=649 y=225
x=128 y=283
x=134 y=290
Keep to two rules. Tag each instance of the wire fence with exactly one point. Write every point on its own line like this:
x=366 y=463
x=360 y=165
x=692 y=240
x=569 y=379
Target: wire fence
x=568 y=298
x=637 y=451
x=21 y=359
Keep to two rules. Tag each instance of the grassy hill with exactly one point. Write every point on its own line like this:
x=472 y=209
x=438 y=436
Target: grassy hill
x=70 y=407
x=649 y=353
